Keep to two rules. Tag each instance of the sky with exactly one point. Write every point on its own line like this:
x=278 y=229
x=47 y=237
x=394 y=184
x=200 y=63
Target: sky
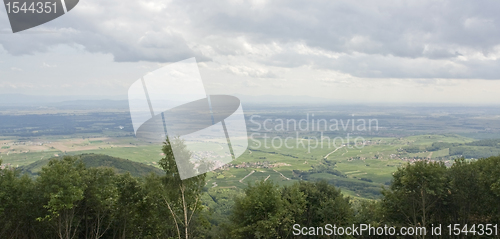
x=356 y=51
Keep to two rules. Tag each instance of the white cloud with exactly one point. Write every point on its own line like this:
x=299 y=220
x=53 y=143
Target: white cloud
x=356 y=46
x=45 y=64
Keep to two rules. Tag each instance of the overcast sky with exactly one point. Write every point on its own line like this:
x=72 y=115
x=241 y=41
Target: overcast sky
x=363 y=51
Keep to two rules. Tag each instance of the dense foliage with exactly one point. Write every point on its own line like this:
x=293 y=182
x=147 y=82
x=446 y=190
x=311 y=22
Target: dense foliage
x=267 y=211
x=421 y=194
x=427 y=193
x=69 y=200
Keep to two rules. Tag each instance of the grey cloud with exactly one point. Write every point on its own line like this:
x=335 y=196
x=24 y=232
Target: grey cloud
x=121 y=28
x=369 y=66
x=388 y=27
x=392 y=39
x=388 y=39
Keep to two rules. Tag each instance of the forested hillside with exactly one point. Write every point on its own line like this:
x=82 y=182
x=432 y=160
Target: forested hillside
x=119 y=165
x=71 y=198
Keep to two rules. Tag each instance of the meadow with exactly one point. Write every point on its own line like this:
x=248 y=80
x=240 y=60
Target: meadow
x=360 y=169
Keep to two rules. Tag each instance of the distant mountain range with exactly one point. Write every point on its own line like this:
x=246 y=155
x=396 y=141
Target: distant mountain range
x=6 y=99
x=21 y=100
x=61 y=102
x=33 y=102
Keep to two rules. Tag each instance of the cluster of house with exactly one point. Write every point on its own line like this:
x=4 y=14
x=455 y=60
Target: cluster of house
x=409 y=160
x=4 y=166
x=448 y=163
x=28 y=143
x=203 y=155
x=264 y=164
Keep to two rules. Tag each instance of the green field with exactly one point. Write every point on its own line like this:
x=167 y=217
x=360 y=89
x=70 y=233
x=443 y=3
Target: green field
x=359 y=171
